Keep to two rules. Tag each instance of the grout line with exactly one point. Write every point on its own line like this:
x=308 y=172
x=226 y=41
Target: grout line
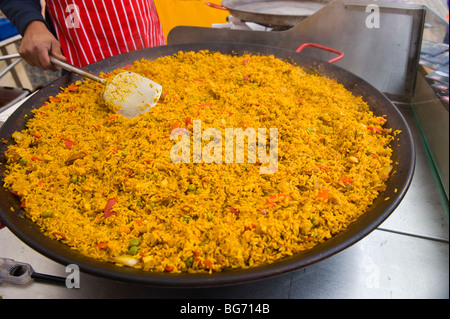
x=442 y=240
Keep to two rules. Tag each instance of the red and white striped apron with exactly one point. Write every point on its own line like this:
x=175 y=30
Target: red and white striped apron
x=91 y=30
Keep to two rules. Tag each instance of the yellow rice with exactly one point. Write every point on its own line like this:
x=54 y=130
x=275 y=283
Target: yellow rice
x=75 y=156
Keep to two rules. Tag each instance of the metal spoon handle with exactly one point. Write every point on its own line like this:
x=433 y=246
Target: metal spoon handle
x=70 y=67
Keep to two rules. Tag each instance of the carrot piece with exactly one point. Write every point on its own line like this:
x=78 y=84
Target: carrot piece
x=323 y=194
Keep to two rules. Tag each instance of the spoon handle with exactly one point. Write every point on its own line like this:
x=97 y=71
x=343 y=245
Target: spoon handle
x=70 y=67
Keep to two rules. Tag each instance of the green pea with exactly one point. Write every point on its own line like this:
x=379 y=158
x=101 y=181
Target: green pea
x=47 y=214
x=133 y=250
x=192 y=187
x=74 y=179
x=152 y=205
x=23 y=161
x=124 y=153
x=135 y=242
x=189 y=262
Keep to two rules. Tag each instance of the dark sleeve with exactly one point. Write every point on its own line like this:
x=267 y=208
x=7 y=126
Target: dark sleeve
x=22 y=12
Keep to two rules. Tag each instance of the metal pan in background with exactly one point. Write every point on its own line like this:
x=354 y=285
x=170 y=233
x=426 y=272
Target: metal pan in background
x=397 y=185
x=272 y=13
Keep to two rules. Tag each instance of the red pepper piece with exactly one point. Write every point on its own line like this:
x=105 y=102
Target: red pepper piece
x=101 y=245
x=374 y=129
x=69 y=144
x=108 y=209
x=234 y=211
x=73 y=88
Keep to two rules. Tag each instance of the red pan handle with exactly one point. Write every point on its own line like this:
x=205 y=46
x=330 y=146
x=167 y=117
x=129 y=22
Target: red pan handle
x=216 y=6
x=318 y=46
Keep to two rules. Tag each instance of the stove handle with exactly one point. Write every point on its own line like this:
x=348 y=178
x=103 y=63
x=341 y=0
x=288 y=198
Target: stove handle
x=318 y=46
x=216 y=6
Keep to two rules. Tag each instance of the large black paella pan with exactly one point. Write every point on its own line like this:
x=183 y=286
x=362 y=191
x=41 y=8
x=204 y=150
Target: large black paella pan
x=397 y=185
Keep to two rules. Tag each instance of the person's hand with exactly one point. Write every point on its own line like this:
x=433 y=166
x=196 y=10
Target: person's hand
x=38 y=43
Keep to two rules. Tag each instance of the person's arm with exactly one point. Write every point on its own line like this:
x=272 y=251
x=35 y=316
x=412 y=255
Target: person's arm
x=37 y=42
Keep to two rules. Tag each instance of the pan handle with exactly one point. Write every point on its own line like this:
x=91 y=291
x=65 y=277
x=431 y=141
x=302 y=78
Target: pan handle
x=318 y=46
x=216 y=6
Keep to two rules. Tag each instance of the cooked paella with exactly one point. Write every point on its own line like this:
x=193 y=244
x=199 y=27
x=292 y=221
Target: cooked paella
x=129 y=192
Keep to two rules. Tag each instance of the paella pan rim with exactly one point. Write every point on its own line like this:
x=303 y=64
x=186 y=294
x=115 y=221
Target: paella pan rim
x=404 y=153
